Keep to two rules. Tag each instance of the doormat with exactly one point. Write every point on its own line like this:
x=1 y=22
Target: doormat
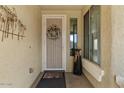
x=52 y=79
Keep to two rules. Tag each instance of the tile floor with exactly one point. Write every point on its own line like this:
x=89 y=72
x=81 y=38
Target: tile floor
x=74 y=81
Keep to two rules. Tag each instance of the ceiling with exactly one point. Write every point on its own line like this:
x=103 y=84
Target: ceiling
x=60 y=7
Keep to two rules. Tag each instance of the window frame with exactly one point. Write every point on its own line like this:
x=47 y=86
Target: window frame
x=74 y=35
x=91 y=39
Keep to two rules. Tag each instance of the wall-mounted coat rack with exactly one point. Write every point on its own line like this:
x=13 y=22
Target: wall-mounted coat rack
x=10 y=24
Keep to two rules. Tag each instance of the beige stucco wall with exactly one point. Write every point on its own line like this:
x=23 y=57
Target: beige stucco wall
x=68 y=13
x=111 y=45
x=117 y=42
x=105 y=48
x=16 y=57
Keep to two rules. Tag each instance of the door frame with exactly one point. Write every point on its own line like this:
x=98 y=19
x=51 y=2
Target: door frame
x=44 y=53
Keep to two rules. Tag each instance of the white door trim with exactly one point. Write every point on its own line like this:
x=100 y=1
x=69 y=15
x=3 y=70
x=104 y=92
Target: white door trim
x=44 y=53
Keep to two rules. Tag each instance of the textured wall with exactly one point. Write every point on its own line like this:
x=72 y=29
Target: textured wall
x=117 y=40
x=16 y=57
x=105 y=48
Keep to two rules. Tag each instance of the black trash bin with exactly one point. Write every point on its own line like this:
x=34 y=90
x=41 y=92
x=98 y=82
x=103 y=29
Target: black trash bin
x=77 y=66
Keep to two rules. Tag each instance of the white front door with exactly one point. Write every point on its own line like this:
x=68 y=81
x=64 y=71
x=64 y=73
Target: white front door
x=53 y=42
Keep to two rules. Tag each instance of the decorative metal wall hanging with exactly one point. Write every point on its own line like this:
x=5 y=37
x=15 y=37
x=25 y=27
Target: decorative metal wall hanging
x=10 y=24
x=53 y=32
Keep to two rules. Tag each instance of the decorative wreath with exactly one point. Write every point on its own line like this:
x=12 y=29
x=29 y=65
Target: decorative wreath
x=53 y=32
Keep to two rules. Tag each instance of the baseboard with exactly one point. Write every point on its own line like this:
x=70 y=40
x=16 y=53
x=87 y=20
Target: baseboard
x=36 y=80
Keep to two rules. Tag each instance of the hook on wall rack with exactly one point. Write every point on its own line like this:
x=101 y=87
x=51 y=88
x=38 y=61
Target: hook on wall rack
x=10 y=24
